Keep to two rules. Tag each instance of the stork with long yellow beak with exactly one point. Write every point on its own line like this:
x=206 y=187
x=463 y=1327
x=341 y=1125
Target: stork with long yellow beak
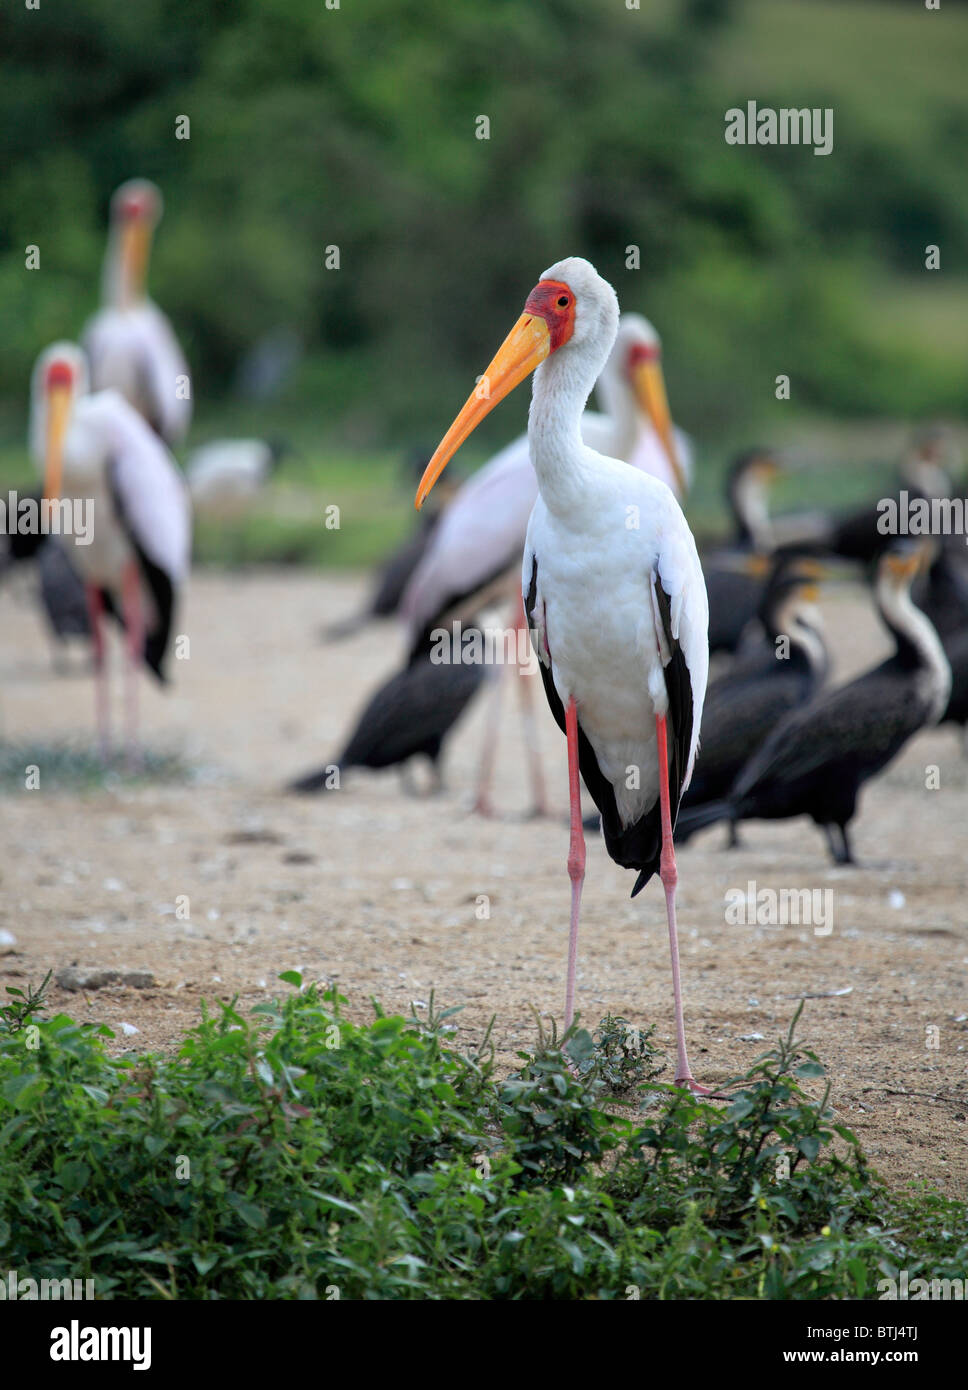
x=480 y=538
x=614 y=596
x=133 y=550
x=130 y=343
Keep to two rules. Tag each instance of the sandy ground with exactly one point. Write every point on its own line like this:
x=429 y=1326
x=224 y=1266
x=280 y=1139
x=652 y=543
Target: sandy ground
x=381 y=891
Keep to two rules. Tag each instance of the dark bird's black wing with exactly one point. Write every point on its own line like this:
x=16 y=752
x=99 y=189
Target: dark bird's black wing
x=815 y=760
x=734 y=600
x=395 y=572
x=410 y=714
x=737 y=718
x=62 y=592
x=956 y=650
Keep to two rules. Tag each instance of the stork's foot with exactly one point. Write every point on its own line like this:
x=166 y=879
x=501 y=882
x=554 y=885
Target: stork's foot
x=689 y=1083
x=539 y=811
x=484 y=807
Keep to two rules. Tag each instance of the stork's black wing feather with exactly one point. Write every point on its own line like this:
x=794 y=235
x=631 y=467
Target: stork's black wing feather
x=160 y=586
x=679 y=690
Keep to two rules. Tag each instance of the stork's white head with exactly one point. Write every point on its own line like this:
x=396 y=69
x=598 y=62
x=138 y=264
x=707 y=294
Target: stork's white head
x=573 y=299
x=571 y=312
x=59 y=378
x=136 y=209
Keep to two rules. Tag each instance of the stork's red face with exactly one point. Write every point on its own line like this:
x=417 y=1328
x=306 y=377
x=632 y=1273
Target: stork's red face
x=640 y=353
x=133 y=207
x=554 y=302
x=59 y=374
x=546 y=325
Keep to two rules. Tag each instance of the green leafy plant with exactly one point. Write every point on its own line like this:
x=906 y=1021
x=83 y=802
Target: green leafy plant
x=293 y=1153
x=23 y=1005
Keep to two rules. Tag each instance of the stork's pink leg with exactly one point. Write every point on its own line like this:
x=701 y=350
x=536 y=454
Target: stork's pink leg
x=134 y=642
x=95 y=608
x=670 y=877
x=576 y=855
x=482 y=801
x=526 y=696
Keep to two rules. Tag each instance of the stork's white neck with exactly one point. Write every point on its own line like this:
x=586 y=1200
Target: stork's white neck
x=562 y=385
x=618 y=402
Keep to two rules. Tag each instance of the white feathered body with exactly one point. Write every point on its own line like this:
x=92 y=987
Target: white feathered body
x=133 y=350
x=595 y=623
x=484 y=527
x=226 y=475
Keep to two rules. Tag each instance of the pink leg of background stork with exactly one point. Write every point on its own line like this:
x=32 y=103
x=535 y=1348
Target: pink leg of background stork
x=134 y=642
x=483 y=804
x=95 y=608
x=526 y=696
x=670 y=877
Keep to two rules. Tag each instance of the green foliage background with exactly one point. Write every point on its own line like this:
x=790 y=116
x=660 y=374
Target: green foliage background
x=355 y=126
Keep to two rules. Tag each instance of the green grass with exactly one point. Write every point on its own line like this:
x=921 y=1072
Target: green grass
x=75 y=767
x=894 y=64
x=291 y=1153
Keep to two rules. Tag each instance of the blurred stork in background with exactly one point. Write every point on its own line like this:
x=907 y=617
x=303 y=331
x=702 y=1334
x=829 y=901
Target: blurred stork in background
x=130 y=344
x=98 y=452
x=225 y=476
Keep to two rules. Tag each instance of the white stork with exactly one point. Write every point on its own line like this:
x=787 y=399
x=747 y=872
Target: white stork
x=614 y=594
x=225 y=476
x=130 y=344
x=97 y=450
x=481 y=535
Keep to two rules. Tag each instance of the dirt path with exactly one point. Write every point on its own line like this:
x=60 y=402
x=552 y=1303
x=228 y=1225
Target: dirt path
x=381 y=891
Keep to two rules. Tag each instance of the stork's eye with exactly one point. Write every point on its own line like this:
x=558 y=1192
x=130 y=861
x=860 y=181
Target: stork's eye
x=562 y=301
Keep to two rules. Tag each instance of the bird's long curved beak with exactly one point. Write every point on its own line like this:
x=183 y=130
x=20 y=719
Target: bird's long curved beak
x=135 y=251
x=650 y=392
x=58 y=417
x=525 y=347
